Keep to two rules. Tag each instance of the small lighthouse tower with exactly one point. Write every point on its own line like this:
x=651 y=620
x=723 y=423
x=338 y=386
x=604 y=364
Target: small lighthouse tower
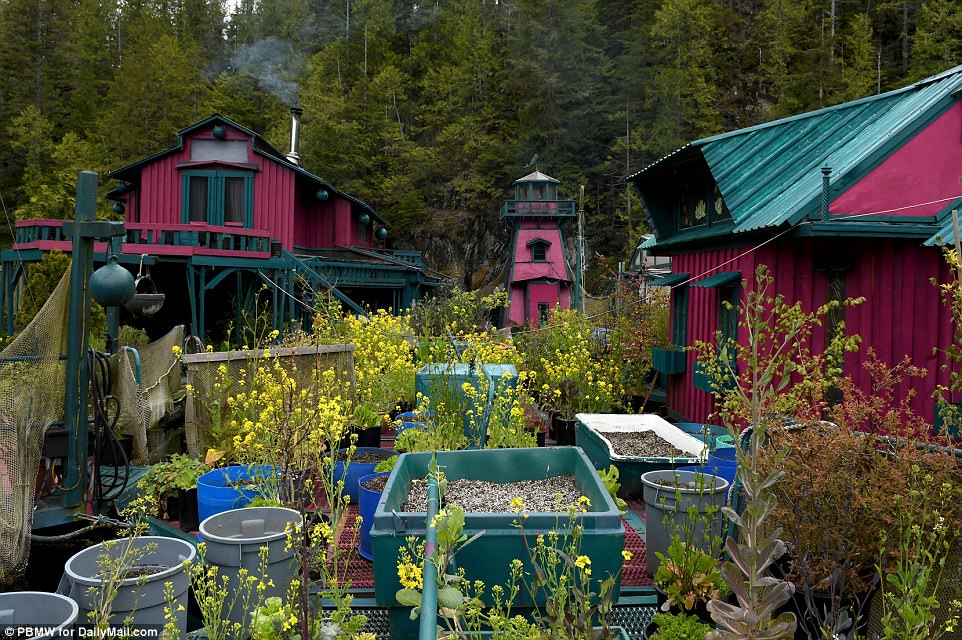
x=538 y=274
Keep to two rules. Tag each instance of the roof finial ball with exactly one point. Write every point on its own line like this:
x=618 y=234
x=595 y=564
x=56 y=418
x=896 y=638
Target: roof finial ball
x=363 y=218
x=382 y=234
x=218 y=132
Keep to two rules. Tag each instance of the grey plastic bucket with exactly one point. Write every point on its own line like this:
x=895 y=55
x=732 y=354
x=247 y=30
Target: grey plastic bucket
x=662 y=503
x=49 y=615
x=143 y=597
x=234 y=539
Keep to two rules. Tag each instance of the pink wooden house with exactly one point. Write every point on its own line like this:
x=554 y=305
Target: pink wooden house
x=538 y=275
x=225 y=213
x=843 y=202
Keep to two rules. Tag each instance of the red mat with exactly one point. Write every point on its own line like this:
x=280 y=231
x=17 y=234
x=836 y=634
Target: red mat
x=360 y=572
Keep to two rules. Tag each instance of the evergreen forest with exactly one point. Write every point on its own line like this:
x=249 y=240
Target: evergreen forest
x=429 y=110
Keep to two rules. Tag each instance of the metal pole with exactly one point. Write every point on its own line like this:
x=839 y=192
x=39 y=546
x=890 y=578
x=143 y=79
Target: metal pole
x=428 y=629
x=580 y=270
x=75 y=399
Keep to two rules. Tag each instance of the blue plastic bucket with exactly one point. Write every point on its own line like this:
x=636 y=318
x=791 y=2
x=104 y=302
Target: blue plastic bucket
x=367 y=505
x=216 y=495
x=357 y=470
x=716 y=467
x=698 y=430
x=411 y=420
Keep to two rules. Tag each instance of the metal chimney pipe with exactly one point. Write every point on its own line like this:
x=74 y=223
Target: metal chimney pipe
x=296 y=112
x=826 y=191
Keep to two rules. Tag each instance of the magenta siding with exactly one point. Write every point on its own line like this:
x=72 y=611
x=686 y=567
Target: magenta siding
x=554 y=266
x=274 y=201
x=902 y=314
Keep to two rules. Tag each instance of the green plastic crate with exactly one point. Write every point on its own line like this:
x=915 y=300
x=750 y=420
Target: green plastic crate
x=453 y=376
x=630 y=468
x=489 y=557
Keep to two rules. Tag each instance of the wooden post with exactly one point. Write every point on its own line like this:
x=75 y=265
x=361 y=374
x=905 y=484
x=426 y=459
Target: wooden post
x=958 y=244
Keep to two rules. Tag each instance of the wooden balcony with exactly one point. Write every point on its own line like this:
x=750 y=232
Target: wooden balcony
x=156 y=239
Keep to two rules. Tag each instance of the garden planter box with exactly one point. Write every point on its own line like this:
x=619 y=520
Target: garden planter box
x=669 y=362
x=589 y=435
x=700 y=380
x=489 y=557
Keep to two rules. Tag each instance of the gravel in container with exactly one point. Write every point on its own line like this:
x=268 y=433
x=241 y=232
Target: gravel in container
x=642 y=444
x=375 y=484
x=365 y=458
x=481 y=496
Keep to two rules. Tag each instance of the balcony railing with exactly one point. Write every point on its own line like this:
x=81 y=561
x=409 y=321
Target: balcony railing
x=535 y=208
x=155 y=238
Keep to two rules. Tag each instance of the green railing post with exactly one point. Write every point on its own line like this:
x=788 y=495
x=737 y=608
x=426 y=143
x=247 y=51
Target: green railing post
x=428 y=629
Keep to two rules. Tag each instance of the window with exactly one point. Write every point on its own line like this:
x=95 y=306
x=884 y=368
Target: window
x=219 y=197
x=542 y=313
x=700 y=203
x=364 y=233
x=202 y=150
x=728 y=318
x=539 y=249
x=679 y=317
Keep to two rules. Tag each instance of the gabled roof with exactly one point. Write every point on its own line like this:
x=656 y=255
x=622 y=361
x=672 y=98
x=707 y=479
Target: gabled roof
x=537 y=176
x=258 y=144
x=770 y=174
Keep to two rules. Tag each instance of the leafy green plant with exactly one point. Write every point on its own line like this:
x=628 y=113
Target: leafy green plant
x=688 y=575
x=921 y=544
x=165 y=479
x=610 y=478
x=386 y=465
x=679 y=627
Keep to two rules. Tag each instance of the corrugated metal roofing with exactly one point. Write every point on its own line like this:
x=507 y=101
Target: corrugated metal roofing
x=770 y=173
x=946 y=231
x=719 y=279
x=649 y=243
x=670 y=280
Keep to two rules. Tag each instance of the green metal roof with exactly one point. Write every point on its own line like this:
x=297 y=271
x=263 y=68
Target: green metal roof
x=720 y=279
x=671 y=280
x=649 y=242
x=770 y=174
x=946 y=230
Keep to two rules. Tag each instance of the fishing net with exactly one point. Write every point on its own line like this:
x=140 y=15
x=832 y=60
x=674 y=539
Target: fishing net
x=209 y=384
x=32 y=381
x=144 y=405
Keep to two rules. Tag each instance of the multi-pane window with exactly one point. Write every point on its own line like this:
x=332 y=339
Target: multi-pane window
x=219 y=197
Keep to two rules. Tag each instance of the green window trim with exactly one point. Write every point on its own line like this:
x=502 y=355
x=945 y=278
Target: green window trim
x=216 y=202
x=728 y=318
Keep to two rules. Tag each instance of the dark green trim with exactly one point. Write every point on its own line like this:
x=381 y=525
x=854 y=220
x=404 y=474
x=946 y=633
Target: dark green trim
x=864 y=230
x=719 y=280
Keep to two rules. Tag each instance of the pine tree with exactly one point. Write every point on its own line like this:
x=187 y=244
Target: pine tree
x=938 y=39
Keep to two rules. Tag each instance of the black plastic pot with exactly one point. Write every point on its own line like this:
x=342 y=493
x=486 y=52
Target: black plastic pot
x=564 y=431
x=370 y=437
x=187 y=510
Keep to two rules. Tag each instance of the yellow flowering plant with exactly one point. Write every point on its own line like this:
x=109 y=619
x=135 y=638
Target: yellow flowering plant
x=572 y=370
x=384 y=365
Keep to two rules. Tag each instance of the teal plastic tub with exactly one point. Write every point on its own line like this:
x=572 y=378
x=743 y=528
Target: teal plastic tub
x=434 y=379
x=489 y=557
x=589 y=435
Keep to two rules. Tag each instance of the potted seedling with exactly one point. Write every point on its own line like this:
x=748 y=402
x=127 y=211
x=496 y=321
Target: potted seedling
x=172 y=485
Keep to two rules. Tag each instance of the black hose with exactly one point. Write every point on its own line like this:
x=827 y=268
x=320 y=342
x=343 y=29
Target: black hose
x=104 y=425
